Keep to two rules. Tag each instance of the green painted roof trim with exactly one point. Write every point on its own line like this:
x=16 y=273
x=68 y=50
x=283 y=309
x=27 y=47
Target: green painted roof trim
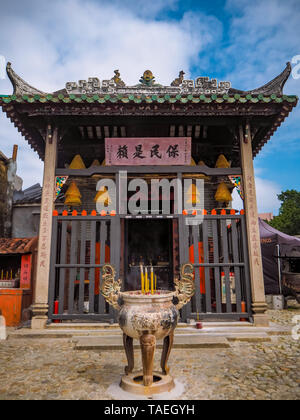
x=148 y=99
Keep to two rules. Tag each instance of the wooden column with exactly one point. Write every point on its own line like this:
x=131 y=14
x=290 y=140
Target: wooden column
x=259 y=305
x=40 y=305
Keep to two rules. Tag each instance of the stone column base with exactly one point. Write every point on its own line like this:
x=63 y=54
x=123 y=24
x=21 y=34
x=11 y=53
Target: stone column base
x=40 y=316
x=261 y=319
x=39 y=322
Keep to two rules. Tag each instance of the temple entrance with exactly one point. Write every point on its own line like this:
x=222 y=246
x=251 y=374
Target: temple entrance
x=148 y=242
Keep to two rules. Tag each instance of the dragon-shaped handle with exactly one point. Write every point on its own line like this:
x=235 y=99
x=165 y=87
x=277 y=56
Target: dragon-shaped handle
x=110 y=287
x=185 y=286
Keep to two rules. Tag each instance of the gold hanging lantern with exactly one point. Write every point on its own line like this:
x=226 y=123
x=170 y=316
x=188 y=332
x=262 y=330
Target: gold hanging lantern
x=201 y=163
x=73 y=196
x=95 y=163
x=193 y=195
x=102 y=196
x=222 y=162
x=223 y=194
x=77 y=163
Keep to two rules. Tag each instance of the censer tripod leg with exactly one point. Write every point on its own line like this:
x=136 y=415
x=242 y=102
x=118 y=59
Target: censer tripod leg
x=148 y=344
x=128 y=346
x=168 y=343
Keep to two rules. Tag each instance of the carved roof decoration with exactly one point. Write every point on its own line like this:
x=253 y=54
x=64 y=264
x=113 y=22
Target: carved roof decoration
x=148 y=87
x=200 y=98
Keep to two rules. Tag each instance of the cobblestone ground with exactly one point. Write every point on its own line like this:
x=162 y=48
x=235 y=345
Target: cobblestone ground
x=52 y=369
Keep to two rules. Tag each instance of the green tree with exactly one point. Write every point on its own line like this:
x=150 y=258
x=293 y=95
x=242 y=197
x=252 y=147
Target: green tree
x=288 y=220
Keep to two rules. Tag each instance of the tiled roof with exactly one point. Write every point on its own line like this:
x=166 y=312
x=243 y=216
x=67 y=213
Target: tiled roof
x=32 y=194
x=18 y=245
x=230 y=99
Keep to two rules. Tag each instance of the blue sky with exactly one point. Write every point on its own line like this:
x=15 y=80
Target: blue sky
x=248 y=43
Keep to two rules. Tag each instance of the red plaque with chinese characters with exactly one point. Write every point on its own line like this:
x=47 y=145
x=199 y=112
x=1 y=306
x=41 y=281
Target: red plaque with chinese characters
x=136 y=151
x=25 y=280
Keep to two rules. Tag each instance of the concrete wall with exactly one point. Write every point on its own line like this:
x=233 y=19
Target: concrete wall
x=25 y=221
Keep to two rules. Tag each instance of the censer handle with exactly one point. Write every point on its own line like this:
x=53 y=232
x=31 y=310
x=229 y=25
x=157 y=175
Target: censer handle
x=185 y=286
x=110 y=287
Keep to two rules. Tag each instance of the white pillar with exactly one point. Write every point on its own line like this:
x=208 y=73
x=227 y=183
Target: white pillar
x=259 y=305
x=40 y=305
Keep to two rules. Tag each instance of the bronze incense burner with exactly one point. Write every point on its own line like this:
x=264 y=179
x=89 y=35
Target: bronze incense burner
x=148 y=318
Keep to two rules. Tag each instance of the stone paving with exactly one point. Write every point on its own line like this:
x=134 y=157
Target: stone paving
x=51 y=369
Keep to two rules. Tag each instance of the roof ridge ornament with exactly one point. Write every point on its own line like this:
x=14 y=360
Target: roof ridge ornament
x=147 y=86
x=20 y=86
x=117 y=79
x=178 y=81
x=147 y=79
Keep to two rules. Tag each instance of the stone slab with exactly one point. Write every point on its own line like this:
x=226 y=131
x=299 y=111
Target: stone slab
x=213 y=330
x=115 y=342
x=250 y=338
x=103 y=325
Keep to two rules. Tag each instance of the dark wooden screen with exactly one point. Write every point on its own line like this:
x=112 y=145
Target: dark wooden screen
x=218 y=249
x=80 y=247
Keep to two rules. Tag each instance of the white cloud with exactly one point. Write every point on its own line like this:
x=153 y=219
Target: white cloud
x=266 y=193
x=94 y=38
x=264 y=35
x=50 y=43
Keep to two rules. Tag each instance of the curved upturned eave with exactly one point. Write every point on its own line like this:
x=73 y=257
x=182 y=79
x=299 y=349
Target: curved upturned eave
x=274 y=87
x=20 y=86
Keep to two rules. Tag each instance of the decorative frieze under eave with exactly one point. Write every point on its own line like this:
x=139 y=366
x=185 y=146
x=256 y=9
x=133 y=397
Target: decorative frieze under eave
x=27 y=112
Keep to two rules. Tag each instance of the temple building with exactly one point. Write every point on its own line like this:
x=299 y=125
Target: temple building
x=142 y=177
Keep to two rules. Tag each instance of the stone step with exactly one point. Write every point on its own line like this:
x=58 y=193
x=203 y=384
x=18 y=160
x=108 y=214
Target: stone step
x=233 y=333
x=249 y=338
x=115 y=342
x=82 y=326
x=107 y=326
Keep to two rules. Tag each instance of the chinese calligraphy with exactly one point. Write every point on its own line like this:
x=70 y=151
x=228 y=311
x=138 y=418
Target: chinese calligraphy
x=253 y=223
x=25 y=272
x=122 y=152
x=139 y=152
x=172 y=152
x=154 y=151
x=46 y=214
x=148 y=151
